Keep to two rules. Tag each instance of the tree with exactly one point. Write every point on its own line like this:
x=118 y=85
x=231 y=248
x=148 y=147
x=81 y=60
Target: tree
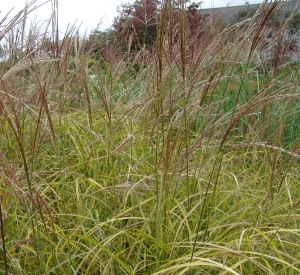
x=195 y=19
x=136 y=25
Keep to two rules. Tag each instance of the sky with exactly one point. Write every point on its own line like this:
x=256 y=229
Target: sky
x=89 y=13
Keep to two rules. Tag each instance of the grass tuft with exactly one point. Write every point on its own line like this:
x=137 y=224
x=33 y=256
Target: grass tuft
x=187 y=164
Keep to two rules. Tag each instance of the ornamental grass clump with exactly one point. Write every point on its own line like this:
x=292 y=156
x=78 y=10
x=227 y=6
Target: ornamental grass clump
x=180 y=159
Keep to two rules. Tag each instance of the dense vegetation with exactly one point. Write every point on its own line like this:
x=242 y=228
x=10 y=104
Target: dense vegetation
x=174 y=152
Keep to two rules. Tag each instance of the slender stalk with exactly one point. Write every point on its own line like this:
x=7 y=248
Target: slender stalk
x=3 y=239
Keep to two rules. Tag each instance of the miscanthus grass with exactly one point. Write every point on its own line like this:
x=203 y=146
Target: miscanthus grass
x=186 y=166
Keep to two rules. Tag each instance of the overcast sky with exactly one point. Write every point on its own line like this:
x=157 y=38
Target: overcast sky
x=89 y=13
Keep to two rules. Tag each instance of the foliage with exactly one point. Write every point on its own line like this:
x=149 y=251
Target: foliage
x=136 y=26
x=276 y=20
x=295 y=22
x=243 y=15
x=185 y=166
